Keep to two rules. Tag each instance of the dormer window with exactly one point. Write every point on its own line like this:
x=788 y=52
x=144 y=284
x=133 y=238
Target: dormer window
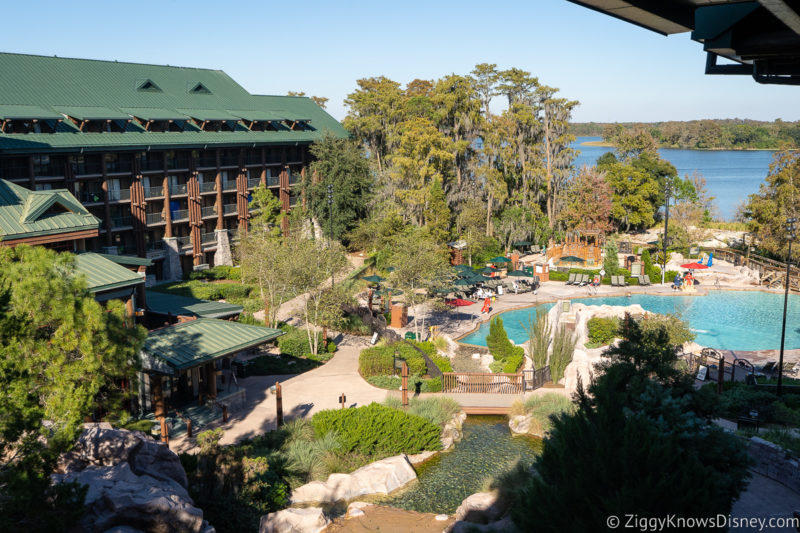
x=199 y=88
x=148 y=86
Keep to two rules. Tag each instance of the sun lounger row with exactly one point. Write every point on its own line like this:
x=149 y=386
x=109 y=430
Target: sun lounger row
x=644 y=280
x=618 y=281
x=580 y=280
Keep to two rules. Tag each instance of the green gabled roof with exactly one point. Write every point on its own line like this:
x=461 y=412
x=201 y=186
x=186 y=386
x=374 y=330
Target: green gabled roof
x=25 y=213
x=163 y=304
x=199 y=341
x=103 y=274
x=129 y=260
x=53 y=87
x=16 y=111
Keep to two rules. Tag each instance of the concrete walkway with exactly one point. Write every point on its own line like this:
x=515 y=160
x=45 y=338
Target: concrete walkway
x=766 y=499
x=303 y=395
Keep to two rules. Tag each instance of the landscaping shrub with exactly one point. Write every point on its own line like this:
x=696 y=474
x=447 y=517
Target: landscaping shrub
x=436 y=410
x=539 y=332
x=268 y=365
x=378 y=360
x=676 y=328
x=603 y=330
x=295 y=342
x=378 y=429
x=395 y=382
x=497 y=340
x=441 y=361
x=563 y=347
x=217 y=273
x=540 y=408
x=354 y=325
x=787 y=440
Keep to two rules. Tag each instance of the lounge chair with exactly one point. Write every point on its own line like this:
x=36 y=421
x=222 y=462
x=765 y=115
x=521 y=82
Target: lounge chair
x=571 y=280
x=584 y=281
x=615 y=281
x=644 y=280
x=622 y=282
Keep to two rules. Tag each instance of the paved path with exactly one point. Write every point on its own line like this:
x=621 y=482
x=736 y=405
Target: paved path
x=765 y=498
x=303 y=395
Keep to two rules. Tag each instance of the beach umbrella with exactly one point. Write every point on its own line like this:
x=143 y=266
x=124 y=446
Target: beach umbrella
x=373 y=279
x=693 y=266
x=488 y=270
x=462 y=283
x=520 y=273
x=500 y=259
x=463 y=268
x=458 y=302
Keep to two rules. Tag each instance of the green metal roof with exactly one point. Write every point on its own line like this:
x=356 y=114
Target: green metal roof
x=129 y=260
x=50 y=86
x=25 y=213
x=16 y=111
x=103 y=274
x=93 y=113
x=163 y=304
x=199 y=341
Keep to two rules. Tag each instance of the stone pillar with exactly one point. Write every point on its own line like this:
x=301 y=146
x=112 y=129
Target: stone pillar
x=172 y=264
x=223 y=254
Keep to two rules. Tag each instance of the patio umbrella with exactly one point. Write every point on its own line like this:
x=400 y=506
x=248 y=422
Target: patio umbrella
x=693 y=266
x=462 y=268
x=500 y=259
x=387 y=292
x=572 y=259
x=520 y=244
x=458 y=302
x=373 y=279
x=520 y=273
x=488 y=270
x=463 y=283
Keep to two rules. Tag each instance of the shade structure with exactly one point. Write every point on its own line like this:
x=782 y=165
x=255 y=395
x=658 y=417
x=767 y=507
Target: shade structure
x=488 y=270
x=463 y=268
x=441 y=290
x=521 y=243
x=572 y=259
x=458 y=302
x=500 y=259
x=520 y=273
x=373 y=279
x=475 y=278
x=387 y=292
x=694 y=266
x=463 y=283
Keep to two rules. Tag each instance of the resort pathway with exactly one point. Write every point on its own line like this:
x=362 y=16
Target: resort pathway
x=303 y=395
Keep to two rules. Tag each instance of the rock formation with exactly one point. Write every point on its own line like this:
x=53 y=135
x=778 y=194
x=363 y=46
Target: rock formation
x=134 y=483
x=294 y=520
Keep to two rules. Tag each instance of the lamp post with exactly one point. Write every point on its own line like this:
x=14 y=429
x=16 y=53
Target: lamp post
x=667 y=192
x=790 y=235
x=330 y=222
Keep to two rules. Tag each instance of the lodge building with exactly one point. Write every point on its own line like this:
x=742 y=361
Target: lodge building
x=164 y=157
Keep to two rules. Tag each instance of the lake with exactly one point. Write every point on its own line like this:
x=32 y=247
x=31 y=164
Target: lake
x=730 y=175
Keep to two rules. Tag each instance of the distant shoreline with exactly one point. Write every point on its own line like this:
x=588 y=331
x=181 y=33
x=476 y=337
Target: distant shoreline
x=605 y=144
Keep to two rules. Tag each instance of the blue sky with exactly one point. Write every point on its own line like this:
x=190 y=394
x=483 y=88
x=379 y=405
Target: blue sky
x=619 y=72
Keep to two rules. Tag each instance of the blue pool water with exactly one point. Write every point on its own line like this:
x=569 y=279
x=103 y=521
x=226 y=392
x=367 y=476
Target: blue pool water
x=727 y=320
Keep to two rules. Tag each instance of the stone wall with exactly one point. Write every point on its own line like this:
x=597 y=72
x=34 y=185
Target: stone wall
x=223 y=254
x=771 y=460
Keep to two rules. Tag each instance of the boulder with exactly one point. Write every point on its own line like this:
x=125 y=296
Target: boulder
x=481 y=508
x=419 y=458
x=506 y=525
x=133 y=483
x=306 y=520
x=356 y=509
x=452 y=430
x=380 y=477
x=520 y=424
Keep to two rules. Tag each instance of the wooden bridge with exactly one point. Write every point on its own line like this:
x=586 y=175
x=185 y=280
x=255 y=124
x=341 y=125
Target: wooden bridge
x=491 y=394
x=772 y=273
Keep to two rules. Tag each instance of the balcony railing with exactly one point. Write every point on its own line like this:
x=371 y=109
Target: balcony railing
x=116 y=195
x=253 y=183
x=210 y=186
x=184 y=242
x=175 y=190
x=228 y=209
x=294 y=179
x=153 y=192
x=155 y=248
x=229 y=185
x=121 y=221
x=293 y=201
x=208 y=238
x=180 y=214
x=273 y=181
x=155 y=218
x=89 y=197
x=209 y=211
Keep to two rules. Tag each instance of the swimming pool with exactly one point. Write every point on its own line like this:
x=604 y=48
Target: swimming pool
x=727 y=320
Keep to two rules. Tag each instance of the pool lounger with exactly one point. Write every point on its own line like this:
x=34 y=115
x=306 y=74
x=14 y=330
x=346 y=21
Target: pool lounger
x=571 y=280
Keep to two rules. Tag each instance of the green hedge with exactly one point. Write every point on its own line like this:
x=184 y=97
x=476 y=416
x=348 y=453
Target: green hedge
x=295 y=342
x=564 y=276
x=394 y=383
x=603 y=330
x=441 y=361
x=217 y=273
x=207 y=291
x=378 y=360
x=376 y=429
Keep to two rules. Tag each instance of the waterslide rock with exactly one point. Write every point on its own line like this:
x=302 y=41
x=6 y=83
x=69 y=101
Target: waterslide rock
x=380 y=477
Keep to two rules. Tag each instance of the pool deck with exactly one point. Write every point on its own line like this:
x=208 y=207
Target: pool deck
x=464 y=320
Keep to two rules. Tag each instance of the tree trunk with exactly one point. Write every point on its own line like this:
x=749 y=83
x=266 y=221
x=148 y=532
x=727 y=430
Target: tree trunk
x=489 y=216
x=267 y=321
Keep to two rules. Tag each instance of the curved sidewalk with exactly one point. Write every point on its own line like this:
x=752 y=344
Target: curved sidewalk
x=303 y=395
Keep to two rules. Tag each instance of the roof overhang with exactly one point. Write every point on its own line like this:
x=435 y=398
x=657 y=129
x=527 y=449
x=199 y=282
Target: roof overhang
x=761 y=38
